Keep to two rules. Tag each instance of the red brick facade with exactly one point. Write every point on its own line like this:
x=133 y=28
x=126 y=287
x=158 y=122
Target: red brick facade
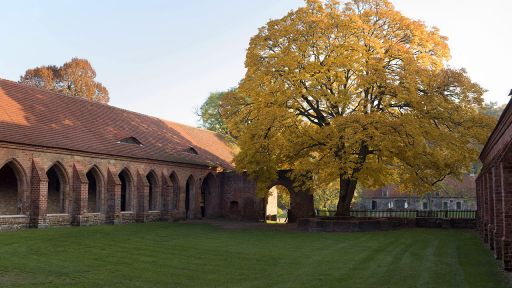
x=494 y=190
x=67 y=161
x=30 y=165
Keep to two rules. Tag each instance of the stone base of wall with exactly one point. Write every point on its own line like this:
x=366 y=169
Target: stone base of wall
x=446 y=223
x=56 y=220
x=89 y=219
x=176 y=216
x=127 y=217
x=13 y=222
x=350 y=224
x=16 y=222
x=153 y=216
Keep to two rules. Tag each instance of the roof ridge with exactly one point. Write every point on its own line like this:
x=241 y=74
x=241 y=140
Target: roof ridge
x=104 y=104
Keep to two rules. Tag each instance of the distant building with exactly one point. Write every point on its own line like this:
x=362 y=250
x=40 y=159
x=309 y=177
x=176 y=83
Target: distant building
x=453 y=195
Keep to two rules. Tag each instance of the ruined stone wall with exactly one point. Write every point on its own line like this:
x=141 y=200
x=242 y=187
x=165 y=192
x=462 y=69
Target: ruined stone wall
x=240 y=200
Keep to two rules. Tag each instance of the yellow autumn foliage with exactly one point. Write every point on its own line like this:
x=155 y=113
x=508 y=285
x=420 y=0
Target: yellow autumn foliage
x=356 y=93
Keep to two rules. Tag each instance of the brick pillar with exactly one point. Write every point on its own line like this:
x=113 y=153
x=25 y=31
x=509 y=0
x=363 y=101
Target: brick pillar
x=485 y=202
x=165 y=208
x=38 y=196
x=301 y=205
x=506 y=184
x=113 y=213
x=142 y=198
x=195 y=199
x=498 y=211
x=478 y=206
x=179 y=200
x=491 y=218
x=79 y=198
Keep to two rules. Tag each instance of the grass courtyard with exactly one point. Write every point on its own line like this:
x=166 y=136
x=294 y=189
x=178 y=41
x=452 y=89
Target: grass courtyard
x=201 y=255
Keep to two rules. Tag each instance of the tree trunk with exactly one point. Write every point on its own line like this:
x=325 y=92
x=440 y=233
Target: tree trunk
x=347 y=189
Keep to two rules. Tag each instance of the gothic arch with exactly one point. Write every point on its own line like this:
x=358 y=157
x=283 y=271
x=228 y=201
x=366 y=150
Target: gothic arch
x=58 y=189
x=95 y=190
x=127 y=190
x=13 y=184
x=174 y=183
x=209 y=201
x=154 y=191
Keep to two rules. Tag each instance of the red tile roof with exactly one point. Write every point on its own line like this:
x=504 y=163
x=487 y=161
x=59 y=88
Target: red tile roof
x=42 y=118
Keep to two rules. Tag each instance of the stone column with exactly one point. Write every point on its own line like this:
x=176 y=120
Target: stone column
x=506 y=184
x=478 y=205
x=301 y=205
x=38 y=197
x=498 y=210
x=490 y=190
x=142 y=198
x=113 y=212
x=196 y=196
x=80 y=196
x=165 y=208
x=485 y=202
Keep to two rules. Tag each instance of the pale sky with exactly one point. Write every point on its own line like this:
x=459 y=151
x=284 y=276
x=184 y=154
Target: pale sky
x=163 y=58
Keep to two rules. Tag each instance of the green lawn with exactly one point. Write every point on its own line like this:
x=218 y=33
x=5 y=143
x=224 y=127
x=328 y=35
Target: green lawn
x=200 y=255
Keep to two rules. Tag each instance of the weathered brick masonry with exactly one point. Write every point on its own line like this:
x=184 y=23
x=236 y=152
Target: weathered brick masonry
x=25 y=167
x=494 y=190
x=66 y=161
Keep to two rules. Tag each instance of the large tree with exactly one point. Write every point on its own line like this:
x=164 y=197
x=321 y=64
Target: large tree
x=354 y=93
x=74 y=78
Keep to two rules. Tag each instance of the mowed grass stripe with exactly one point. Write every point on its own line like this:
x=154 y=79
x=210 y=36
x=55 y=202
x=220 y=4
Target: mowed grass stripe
x=195 y=255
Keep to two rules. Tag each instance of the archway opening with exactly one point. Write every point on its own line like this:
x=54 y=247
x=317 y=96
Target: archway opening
x=126 y=191
x=56 y=191
x=278 y=204
x=208 y=199
x=175 y=192
x=153 y=197
x=188 y=197
x=9 y=190
x=93 y=192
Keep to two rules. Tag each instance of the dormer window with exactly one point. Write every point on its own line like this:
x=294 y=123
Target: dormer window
x=130 y=140
x=191 y=150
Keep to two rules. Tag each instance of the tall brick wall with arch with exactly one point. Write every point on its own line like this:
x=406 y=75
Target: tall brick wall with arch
x=41 y=187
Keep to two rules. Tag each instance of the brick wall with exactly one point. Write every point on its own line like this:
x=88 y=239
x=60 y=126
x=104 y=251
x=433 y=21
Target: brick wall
x=27 y=191
x=494 y=217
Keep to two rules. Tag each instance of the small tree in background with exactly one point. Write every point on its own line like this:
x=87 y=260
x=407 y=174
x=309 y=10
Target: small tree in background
x=74 y=78
x=209 y=113
x=493 y=109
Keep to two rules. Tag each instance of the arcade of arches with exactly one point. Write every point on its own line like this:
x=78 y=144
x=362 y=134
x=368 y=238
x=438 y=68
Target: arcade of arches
x=58 y=168
x=42 y=192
